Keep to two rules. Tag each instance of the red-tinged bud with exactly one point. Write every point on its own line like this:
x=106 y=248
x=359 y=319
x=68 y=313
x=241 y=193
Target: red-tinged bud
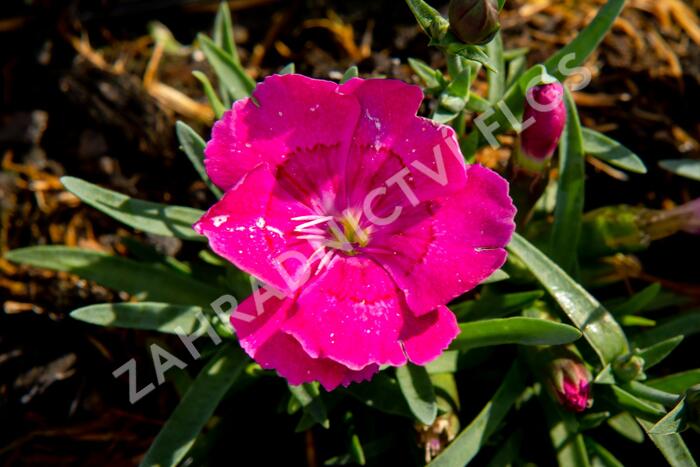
x=568 y=379
x=544 y=119
x=474 y=22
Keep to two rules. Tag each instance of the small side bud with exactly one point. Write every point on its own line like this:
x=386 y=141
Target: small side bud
x=545 y=118
x=474 y=22
x=568 y=379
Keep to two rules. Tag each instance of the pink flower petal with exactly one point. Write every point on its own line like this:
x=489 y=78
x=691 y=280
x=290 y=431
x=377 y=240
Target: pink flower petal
x=287 y=113
x=354 y=315
x=390 y=138
x=445 y=247
x=252 y=227
x=427 y=336
x=260 y=337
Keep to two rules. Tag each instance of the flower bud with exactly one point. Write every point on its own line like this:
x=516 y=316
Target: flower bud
x=568 y=379
x=544 y=118
x=545 y=109
x=474 y=22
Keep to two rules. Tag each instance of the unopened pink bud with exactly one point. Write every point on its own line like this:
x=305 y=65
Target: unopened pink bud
x=544 y=119
x=569 y=380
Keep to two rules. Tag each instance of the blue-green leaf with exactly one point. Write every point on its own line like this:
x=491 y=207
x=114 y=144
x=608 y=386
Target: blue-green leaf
x=683 y=325
x=349 y=74
x=676 y=383
x=153 y=316
x=193 y=146
x=309 y=397
x=612 y=152
x=597 y=324
x=468 y=443
x=657 y=352
x=568 y=213
x=197 y=406
x=519 y=330
x=576 y=52
x=223 y=31
x=684 y=167
x=155 y=218
x=672 y=447
x=418 y=391
x=149 y=281
x=492 y=305
x=231 y=74
x=213 y=99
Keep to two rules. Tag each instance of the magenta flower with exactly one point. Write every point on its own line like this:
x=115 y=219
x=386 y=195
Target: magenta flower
x=569 y=380
x=361 y=219
x=544 y=119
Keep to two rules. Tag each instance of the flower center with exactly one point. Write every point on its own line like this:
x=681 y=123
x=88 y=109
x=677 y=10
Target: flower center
x=342 y=232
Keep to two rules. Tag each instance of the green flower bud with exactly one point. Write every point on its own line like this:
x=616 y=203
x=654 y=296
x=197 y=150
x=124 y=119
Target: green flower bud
x=474 y=21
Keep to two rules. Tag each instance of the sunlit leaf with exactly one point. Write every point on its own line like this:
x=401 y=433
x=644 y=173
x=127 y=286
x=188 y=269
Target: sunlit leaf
x=149 y=281
x=193 y=146
x=568 y=213
x=612 y=152
x=232 y=75
x=519 y=330
x=684 y=167
x=161 y=317
x=197 y=406
x=598 y=326
x=418 y=391
x=155 y=218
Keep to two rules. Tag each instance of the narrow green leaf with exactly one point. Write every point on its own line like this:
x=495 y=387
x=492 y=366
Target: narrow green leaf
x=381 y=393
x=454 y=97
x=193 y=146
x=676 y=383
x=576 y=52
x=194 y=410
x=150 y=281
x=223 y=31
x=418 y=390
x=609 y=150
x=497 y=276
x=650 y=394
x=683 y=325
x=429 y=19
x=492 y=305
x=349 y=74
x=657 y=352
x=468 y=443
x=445 y=363
x=564 y=431
x=632 y=404
x=606 y=457
x=433 y=79
x=161 y=317
x=568 y=213
x=683 y=167
x=147 y=216
x=637 y=302
x=519 y=330
x=213 y=99
x=509 y=452
x=289 y=69
x=631 y=320
x=675 y=421
x=309 y=397
x=598 y=326
x=625 y=425
x=231 y=74
x=672 y=447
x=497 y=77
